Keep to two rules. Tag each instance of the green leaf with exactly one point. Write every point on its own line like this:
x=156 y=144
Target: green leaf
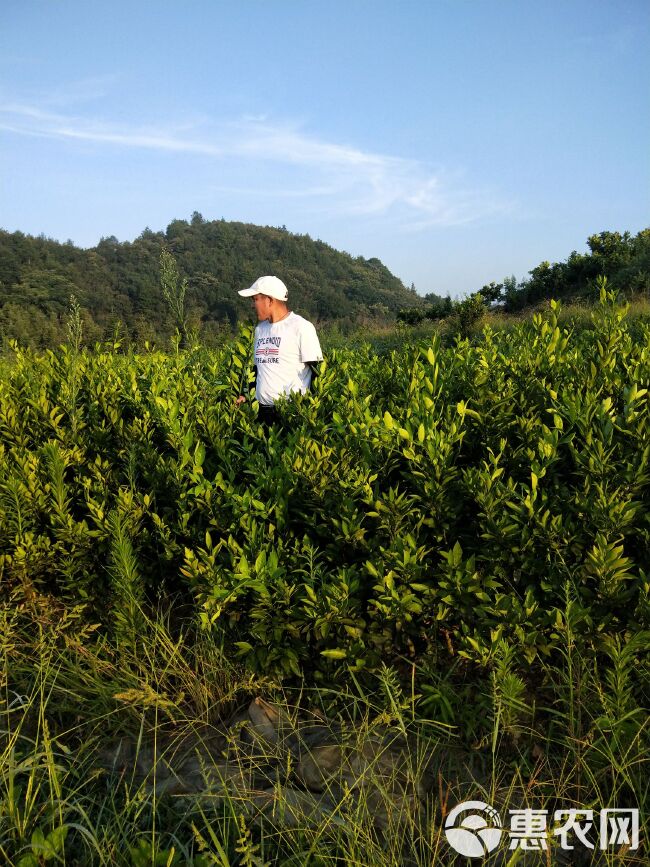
x=243 y=647
x=199 y=454
x=56 y=838
x=334 y=654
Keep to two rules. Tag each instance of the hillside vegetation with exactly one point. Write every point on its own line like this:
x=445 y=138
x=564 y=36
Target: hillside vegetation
x=622 y=259
x=120 y=282
x=118 y=285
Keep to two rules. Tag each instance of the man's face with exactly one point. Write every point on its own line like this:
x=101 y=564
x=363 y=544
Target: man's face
x=262 y=305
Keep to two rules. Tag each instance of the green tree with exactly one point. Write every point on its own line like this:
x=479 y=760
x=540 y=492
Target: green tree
x=492 y=292
x=173 y=290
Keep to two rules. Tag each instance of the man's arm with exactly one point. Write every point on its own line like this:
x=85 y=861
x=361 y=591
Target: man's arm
x=310 y=352
x=314 y=366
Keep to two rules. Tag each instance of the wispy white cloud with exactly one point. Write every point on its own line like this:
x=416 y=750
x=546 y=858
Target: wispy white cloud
x=83 y=90
x=275 y=192
x=352 y=180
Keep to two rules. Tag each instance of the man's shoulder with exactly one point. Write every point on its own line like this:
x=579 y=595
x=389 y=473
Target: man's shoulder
x=299 y=322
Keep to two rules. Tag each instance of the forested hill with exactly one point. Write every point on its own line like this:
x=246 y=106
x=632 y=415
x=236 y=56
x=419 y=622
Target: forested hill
x=621 y=257
x=120 y=282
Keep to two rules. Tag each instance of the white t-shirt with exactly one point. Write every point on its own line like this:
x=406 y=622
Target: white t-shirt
x=281 y=351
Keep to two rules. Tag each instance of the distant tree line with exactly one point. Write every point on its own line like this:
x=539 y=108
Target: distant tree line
x=623 y=258
x=120 y=287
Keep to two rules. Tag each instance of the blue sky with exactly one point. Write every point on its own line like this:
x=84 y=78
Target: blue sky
x=460 y=141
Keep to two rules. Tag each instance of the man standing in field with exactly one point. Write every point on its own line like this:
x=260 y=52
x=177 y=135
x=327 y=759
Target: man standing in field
x=286 y=348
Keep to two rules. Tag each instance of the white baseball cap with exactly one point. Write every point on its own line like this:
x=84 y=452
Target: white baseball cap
x=271 y=286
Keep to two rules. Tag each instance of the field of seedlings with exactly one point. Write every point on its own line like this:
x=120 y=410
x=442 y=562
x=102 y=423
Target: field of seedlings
x=430 y=584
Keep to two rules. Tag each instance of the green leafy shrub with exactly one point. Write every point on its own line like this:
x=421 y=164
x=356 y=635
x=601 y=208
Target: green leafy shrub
x=426 y=502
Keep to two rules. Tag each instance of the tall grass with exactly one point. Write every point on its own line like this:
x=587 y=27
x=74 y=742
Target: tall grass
x=69 y=693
